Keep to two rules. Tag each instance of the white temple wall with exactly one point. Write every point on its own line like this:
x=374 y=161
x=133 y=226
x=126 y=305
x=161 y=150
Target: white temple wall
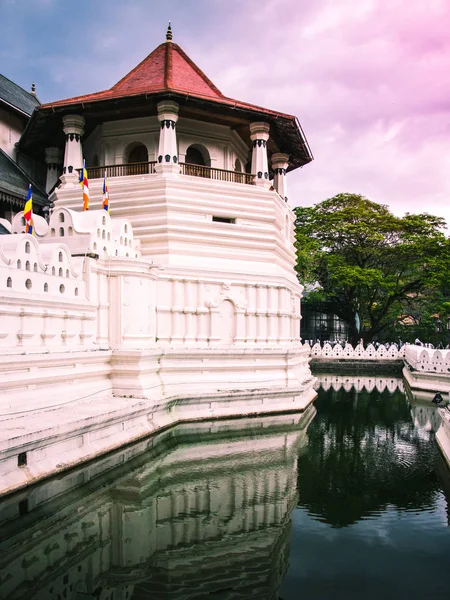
x=44 y=296
x=222 y=144
x=119 y=136
x=173 y=219
x=111 y=142
x=93 y=147
x=194 y=310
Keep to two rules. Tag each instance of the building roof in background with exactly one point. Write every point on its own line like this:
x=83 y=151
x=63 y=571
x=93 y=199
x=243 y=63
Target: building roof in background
x=16 y=97
x=14 y=182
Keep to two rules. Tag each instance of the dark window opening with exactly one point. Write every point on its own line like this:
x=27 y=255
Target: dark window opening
x=224 y=220
x=138 y=154
x=138 y=160
x=195 y=157
x=22 y=459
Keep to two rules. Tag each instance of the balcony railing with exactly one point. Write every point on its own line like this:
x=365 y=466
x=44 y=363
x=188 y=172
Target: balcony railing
x=218 y=174
x=141 y=168
x=145 y=168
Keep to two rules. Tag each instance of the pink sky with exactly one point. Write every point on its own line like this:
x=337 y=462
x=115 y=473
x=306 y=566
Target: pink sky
x=369 y=80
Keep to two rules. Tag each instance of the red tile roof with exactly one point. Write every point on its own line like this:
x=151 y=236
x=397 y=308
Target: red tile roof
x=167 y=68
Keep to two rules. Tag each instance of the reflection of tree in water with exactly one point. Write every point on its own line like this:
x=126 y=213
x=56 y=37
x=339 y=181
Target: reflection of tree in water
x=363 y=454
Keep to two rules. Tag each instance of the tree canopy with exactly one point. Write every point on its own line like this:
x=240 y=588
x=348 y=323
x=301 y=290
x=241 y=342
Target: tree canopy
x=373 y=268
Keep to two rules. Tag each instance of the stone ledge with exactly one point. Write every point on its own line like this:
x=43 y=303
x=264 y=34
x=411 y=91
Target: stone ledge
x=346 y=365
x=80 y=432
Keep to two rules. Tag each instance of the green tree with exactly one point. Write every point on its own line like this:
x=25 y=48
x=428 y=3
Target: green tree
x=372 y=266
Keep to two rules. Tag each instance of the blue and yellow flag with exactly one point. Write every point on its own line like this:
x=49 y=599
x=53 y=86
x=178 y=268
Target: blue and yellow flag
x=105 y=203
x=85 y=183
x=28 y=212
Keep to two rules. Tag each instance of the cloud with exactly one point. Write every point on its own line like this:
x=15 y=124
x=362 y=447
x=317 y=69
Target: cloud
x=368 y=79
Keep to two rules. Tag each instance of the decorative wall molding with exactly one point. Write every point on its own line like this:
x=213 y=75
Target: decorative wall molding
x=427 y=360
x=357 y=353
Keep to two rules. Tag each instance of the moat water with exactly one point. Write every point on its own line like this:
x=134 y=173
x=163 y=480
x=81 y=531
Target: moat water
x=350 y=500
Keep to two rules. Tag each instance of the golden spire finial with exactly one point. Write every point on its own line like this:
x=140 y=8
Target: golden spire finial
x=169 y=34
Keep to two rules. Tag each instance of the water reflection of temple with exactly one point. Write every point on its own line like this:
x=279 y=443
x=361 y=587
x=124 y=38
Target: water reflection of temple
x=205 y=510
x=423 y=412
x=359 y=382
x=368 y=448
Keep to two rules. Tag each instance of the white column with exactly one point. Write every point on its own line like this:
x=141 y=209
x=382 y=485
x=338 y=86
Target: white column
x=272 y=308
x=259 y=134
x=168 y=148
x=190 y=310
x=280 y=163
x=240 y=327
x=73 y=155
x=53 y=160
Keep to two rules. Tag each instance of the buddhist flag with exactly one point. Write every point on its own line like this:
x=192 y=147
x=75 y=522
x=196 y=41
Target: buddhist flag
x=105 y=203
x=85 y=183
x=28 y=212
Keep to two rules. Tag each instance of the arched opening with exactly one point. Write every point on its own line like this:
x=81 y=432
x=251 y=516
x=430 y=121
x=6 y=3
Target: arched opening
x=61 y=231
x=137 y=160
x=45 y=287
x=238 y=178
x=197 y=157
x=27 y=247
x=9 y=282
x=227 y=323
x=61 y=217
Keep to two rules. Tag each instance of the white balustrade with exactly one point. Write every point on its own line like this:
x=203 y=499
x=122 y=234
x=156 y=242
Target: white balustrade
x=347 y=352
